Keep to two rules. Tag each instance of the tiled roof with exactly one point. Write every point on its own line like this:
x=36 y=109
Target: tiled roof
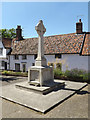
x=86 y=47
x=66 y=43
x=7 y=42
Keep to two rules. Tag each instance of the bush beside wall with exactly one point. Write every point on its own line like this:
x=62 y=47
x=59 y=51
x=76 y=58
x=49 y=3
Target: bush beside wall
x=74 y=75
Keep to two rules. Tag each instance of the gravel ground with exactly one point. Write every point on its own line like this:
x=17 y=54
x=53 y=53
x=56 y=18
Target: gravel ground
x=74 y=107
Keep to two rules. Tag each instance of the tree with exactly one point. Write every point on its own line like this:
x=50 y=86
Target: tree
x=5 y=33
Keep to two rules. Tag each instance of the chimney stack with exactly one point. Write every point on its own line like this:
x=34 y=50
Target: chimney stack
x=79 y=27
x=19 y=33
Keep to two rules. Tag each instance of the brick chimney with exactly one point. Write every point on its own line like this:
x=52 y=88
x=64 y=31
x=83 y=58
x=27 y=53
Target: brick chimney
x=79 y=27
x=19 y=33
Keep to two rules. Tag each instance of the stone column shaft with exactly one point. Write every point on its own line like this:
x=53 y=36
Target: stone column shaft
x=41 y=47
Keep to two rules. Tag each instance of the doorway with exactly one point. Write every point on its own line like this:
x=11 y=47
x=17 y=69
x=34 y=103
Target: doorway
x=5 y=65
x=24 y=67
x=17 y=67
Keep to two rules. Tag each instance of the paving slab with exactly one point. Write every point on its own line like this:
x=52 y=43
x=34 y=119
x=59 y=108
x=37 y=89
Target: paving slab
x=40 y=102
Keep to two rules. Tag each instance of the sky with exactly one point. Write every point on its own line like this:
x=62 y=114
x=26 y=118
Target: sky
x=58 y=17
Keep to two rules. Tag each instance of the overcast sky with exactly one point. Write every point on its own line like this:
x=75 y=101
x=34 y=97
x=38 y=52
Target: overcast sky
x=58 y=17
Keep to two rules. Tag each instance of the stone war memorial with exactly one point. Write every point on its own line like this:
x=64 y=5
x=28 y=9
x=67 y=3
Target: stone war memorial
x=40 y=76
x=41 y=73
x=40 y=92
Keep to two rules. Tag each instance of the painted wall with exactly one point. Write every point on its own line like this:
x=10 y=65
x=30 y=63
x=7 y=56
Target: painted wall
x=28 y=62
x=4 y=50
x=4 y=57
x=69 y=61
x=72 y=61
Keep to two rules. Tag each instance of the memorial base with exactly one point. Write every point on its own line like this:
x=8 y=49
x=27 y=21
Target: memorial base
x=40 y=76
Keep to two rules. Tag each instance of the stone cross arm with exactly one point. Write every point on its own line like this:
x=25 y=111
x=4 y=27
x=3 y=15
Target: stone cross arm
x=40 y=28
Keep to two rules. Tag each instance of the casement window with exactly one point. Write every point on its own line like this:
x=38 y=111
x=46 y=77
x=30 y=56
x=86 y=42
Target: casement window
x=1 y=51
x=24 y=57
x=58 y=56
x=3 y=63
x=33 y=64
x=16 y=57
x=35 y=56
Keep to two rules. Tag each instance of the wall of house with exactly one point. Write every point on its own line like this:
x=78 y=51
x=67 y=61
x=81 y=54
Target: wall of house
x=4 y=50
x=28 y=61
x=69 y=61
x=3 y=55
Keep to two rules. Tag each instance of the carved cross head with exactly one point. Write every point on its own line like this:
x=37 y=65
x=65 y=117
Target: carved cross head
x=40 y=28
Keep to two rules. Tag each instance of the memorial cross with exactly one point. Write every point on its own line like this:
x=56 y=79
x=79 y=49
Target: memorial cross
x=40 y=30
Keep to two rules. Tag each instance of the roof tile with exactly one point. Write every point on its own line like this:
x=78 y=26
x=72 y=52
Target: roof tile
x=66 y=43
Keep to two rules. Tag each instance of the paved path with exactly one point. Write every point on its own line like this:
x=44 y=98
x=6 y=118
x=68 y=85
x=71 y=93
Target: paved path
x=74 y=107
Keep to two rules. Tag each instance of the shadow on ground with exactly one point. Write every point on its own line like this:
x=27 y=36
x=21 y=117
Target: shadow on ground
x=83 y=92
x=9 y=79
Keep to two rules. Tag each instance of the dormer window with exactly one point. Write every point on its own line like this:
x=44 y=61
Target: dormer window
x=1 y=51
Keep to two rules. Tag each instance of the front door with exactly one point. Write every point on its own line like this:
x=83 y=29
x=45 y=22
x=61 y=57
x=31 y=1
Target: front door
x=17 y=67
x=5 y=65
x=24 y=67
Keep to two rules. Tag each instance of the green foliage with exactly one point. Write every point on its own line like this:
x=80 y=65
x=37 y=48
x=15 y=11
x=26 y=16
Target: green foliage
x=58 y=72
x=14 y=73
x=4 y=72
x=74 y=74
x=5 y=33
x=59 y=66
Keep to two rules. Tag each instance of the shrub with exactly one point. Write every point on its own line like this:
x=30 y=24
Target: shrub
x=74 y=74
x=14 y=73
x=5 y=72
x=59 y=66
x=58 y=72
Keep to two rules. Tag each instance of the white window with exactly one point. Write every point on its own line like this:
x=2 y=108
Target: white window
x=16 y=57
x=24 y=57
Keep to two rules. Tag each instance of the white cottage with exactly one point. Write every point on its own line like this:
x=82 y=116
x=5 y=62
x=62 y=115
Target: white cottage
x=69 y=50
x=5 y=49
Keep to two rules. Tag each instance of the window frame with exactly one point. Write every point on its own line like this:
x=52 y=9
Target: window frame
x=33 y=64
x=3 y=63
x=1 y=51
x=35 y=56
x=16 y=57
x=24 y=57
x=59 y=56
